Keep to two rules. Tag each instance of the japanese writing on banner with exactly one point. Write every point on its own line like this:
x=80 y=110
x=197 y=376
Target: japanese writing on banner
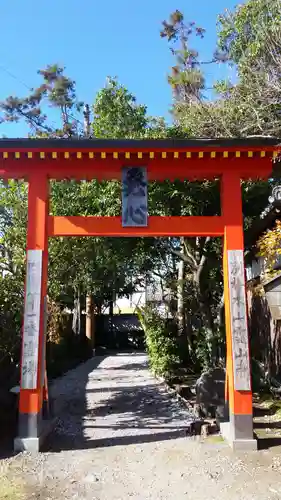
x=134 y=197
x=238 y=318
x=31 y=322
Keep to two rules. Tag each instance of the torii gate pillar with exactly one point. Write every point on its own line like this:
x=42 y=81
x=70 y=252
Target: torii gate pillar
x=33 y=390
x=239 y=430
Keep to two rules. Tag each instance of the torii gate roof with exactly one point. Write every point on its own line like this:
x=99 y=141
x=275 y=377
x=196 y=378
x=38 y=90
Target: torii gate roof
x=164 y=158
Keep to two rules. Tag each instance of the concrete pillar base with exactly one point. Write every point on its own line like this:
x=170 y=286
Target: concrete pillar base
x=237 y=444
x=34 y=444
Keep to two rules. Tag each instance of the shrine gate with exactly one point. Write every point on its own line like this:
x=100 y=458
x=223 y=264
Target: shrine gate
x=39 y=160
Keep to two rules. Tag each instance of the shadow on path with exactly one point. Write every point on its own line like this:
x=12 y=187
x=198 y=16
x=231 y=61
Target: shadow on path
x=113 y=401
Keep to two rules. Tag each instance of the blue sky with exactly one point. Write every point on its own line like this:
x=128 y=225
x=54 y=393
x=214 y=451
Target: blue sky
x=95 y=39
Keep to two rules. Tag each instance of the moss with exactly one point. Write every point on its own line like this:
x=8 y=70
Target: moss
x=11 y=490
x=217 y=438
x=267 y=403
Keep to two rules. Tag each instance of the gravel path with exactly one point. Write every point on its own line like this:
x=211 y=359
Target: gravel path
x=123 y=404
x=120 y=435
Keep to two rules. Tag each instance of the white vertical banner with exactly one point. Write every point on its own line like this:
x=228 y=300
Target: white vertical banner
x=134 y=197
x=31 y=323
x=238 y=319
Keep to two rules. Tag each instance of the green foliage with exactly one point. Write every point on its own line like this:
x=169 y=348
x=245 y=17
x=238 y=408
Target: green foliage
x=250 y=37
x=57 y=91
x=84 y=264
x=12 y=254
x=116 y=113
x=269 y=248
x=11 y=307
x=186 y=78
x=244 y=33
x=210 y=347
x=67 y=354
x=161 y=342
x=243 y=108
x=260 y=382
x=13 y=217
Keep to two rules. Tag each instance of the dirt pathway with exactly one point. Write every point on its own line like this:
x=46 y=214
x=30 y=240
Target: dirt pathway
x=120 y=435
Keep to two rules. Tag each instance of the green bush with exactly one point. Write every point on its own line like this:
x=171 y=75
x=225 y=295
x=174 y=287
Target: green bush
x=11 y=305
x=67 y=354
x=161 y=342
x=210 y=348
x=260 y=381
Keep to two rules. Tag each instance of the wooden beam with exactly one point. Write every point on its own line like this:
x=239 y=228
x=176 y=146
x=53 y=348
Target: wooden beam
x=240 y=402
x=157 y=169
x=158 y=226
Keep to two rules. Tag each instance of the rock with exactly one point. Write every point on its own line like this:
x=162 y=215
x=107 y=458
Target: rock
x=184 y=391
x=195 y=427
x=202 y=428
x=222 y=413
x=197 y=411
x=210 y=389
x=205 y=430
x=213 y=428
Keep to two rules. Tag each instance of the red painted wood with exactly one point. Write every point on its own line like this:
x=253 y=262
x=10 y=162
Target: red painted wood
x=37 y=239
x=135 y=149
x=240 y=403
x=159 y=170
x=158 y=226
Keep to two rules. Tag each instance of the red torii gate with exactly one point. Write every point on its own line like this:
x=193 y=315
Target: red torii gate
x=39 y=160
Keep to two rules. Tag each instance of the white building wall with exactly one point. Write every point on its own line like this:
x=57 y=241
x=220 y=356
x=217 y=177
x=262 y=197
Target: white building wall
x=125 y=305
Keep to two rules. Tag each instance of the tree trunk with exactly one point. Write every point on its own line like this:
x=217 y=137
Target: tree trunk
x=76 y=320
x=90 y=319
x=111 y=330
x=180 y=294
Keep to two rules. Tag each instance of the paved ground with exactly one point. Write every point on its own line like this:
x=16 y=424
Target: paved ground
x=121 y=436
